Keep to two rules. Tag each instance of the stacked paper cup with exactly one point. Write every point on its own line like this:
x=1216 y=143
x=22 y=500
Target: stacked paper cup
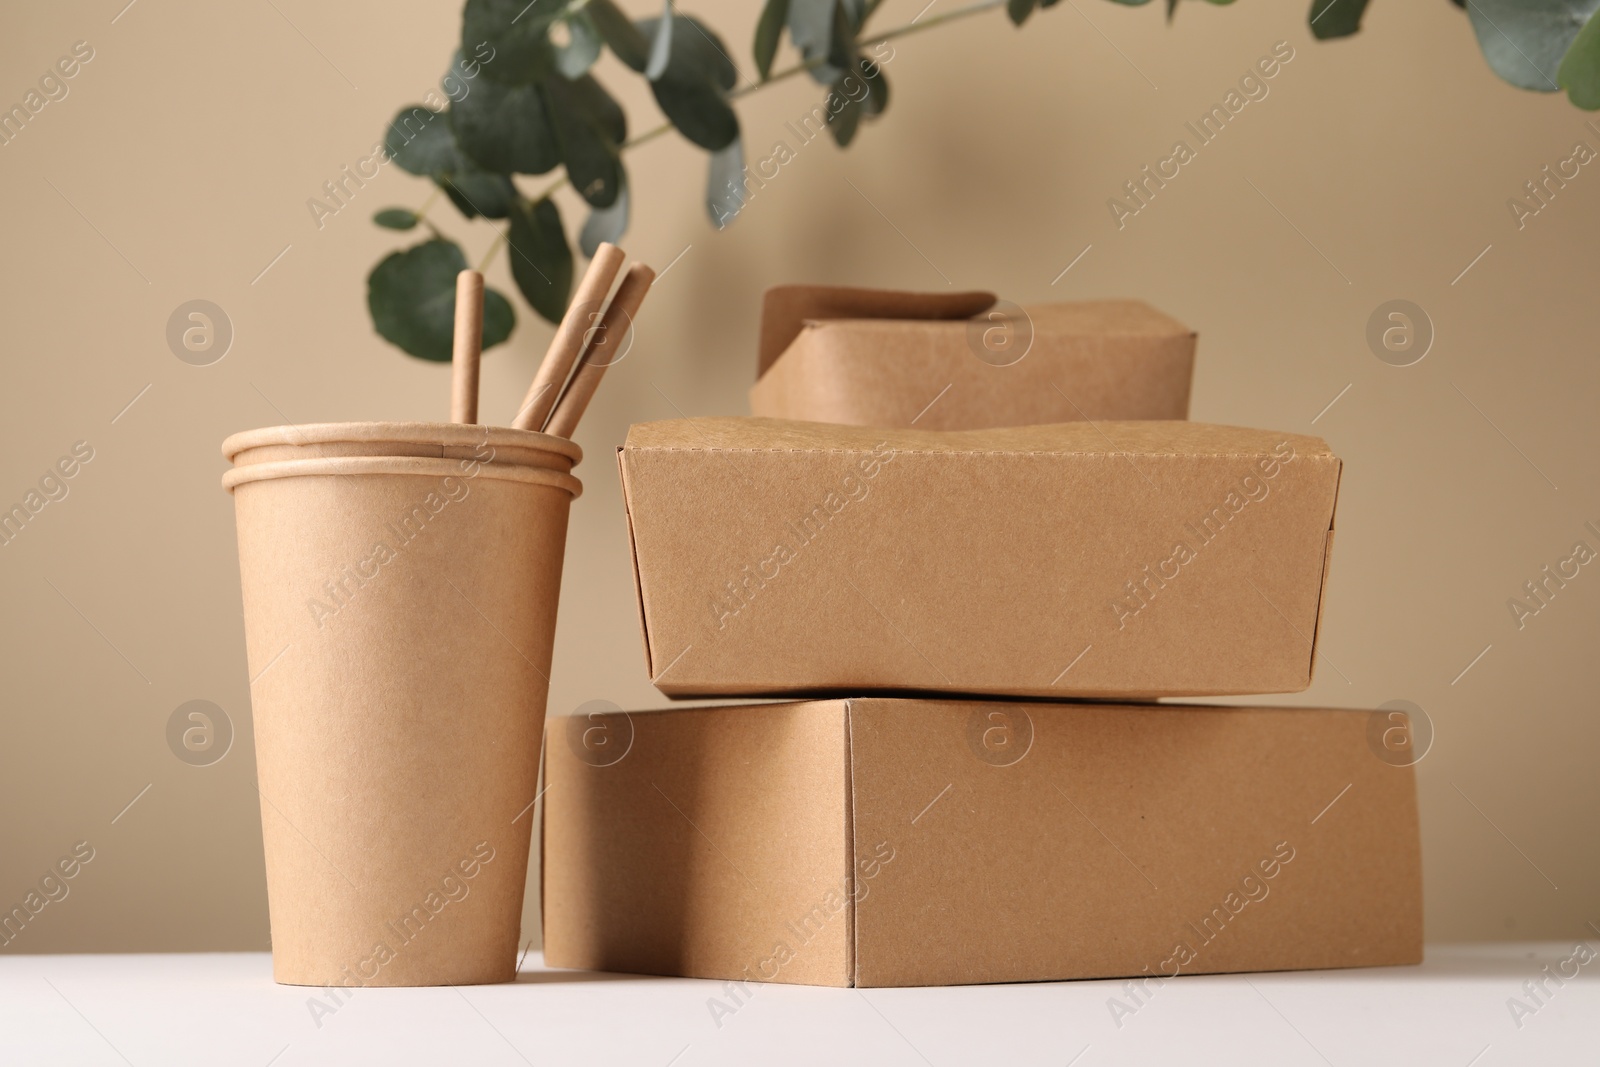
x=400 y=588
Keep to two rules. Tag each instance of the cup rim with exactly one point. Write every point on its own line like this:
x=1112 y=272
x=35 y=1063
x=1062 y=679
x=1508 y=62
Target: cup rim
x=422 y=466
x=443 y=434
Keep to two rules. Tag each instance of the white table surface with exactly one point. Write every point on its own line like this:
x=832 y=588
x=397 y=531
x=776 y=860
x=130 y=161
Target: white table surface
x=172 y=1010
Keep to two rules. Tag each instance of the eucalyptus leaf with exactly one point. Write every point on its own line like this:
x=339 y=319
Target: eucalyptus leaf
x=877 y=83
x=463 y=72
x=397 y=218
x=518 y=31
x=696 y=49
x=506 y=128
x=420 y=141
x=811 y=31
x=606 y=224
x=844 y=114
x=1525 y=40
x=477 y=192
x=725 y=184
x=698 y=111
x=575 y=58
x=411 y=296
x=661 y=47
x=1330 y=19
x=774 y=13
x=431 y=151
x=541 y=259
x=691 y=90
x=1579 y=73
x=842 y=43
x=594 y=100
x=593 y=165
x=620 y=34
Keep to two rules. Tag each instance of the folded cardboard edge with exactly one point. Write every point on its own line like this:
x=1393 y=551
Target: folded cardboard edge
x=633 y=561
x=853 y=927
x=786 y=308
x=1327 y=563
x=760 y=434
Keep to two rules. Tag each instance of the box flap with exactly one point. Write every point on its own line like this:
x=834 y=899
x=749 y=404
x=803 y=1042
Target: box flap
x=633 y=561
x=786 y=308
x=695 y=842
x=737 y=434
x=1327 y=561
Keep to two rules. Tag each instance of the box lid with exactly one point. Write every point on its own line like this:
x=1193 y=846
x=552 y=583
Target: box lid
x=744 y=434
x=785 y=310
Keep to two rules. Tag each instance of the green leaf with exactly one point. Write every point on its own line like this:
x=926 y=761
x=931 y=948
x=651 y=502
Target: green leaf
x=477 y=192
x=1019 y=10
x=498 y=318
x=463 y=72
x=811 y=31
x=698 y=50
x=877 y=83
x=411 y=296
x=575 y=58
x=620 y=34
x=698 y=110
x=606 y=224
x=690 y=91
x=541 y=259
x=842 y=39
x=1524 y=40
x=725 y=184
x=1335 y=18
x=506 y=128
x=661 y=46
x=594 y=99
x=593 y=164
x=420 y=141
x=424 y=143
x=518 y=33
x=1579 y=73
x=397 y=218
x=768 y=29
x=844 y=114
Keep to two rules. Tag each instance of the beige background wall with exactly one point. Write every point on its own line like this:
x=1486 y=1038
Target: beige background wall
x=179 y=167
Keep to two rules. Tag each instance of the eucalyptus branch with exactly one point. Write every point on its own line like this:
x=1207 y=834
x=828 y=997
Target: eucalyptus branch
x=909 y=28
x=556 y=114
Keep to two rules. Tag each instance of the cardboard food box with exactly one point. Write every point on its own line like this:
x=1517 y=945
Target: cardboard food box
x=958 y=361
x=1110 y=560
x=891 y=842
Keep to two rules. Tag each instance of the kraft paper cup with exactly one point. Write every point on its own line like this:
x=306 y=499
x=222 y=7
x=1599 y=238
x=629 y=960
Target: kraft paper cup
x=399 y=616
x=447 y=440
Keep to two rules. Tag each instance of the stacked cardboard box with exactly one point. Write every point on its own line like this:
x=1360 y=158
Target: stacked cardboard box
x=937 y=811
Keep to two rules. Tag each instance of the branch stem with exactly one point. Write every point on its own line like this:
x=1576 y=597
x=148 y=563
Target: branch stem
x=494 y=249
